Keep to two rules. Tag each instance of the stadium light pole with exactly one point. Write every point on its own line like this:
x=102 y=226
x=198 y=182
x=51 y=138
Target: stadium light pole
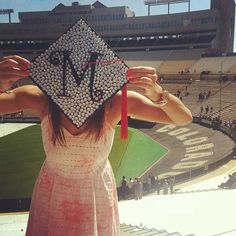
x=221 y=77
x=7 y=12
x=149 y=6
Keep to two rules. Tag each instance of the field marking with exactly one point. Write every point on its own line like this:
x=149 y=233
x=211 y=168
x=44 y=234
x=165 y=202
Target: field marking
x=9 y=128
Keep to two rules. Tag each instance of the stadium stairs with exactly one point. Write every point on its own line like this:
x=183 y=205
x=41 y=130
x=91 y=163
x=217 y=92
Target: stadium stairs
x=130 y=230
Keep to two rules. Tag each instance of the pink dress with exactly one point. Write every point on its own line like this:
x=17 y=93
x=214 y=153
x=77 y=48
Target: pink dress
x=75 y=192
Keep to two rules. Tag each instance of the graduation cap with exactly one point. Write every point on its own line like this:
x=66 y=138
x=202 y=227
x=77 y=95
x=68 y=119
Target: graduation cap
x=79 y=72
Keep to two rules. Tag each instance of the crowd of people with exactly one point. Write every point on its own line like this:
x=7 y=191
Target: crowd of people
x=135 y=188
x=230 y=183
x=230 y=124
x=217 y=121
x=203 y=96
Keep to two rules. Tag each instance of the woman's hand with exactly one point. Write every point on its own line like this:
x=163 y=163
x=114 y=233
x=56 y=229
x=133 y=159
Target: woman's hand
x=145 y=79
x=172 y=112
x=12 y=68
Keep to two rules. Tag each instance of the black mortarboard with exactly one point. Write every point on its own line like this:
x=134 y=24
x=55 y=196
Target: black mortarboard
x=79 y=72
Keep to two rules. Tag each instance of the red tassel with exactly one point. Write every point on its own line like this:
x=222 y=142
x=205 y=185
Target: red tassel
x=124 y=114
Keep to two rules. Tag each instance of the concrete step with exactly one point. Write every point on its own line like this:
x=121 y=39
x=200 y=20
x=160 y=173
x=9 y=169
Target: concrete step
x=128 y=230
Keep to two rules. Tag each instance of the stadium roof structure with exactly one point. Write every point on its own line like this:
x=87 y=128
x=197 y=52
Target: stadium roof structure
x=164 y=2
x=160 y=2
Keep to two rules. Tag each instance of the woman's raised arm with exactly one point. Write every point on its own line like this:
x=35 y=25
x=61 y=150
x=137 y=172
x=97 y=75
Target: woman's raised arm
x=22 y=98
x=153 y=104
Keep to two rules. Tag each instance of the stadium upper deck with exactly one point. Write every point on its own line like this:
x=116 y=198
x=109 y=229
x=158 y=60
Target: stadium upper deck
x=208 y=29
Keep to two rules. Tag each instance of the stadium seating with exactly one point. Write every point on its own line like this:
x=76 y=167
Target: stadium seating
x=144 y=58
x=179 y=61
x=227 y=96
x=203 y=40
x=214 y=65
x=174 y=87
x=127 y=43
x=227 y=113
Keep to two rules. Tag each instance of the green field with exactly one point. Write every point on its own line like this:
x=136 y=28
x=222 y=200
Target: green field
x=21 y=156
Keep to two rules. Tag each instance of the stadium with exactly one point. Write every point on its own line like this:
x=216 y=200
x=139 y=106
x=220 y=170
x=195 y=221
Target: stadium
x=193 y=55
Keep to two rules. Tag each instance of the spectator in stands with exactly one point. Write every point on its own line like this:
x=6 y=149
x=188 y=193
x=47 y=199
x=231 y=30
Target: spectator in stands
x=178 y=93
x=211 y=109
x=12 y=68
x=230 y=183
x=201 y=111
x=124 y=187
x=216 y=122
x=158 y=185
x=149 y=183
x=165 y=186
x=200 y=97
x=138 y=189
x=207 y=109
x=171 y=182
x=208 y=94
x=154 y=104
x=153 y=180
x=186 y=91
x=130 y=185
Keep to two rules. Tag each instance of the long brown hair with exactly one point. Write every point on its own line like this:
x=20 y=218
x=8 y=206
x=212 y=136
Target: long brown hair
x=94 y=125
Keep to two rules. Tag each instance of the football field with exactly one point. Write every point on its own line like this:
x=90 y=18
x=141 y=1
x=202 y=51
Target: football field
x=22 y=154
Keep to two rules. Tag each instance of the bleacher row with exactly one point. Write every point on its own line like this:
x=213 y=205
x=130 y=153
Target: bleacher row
x=184 y=60
x=169 y=41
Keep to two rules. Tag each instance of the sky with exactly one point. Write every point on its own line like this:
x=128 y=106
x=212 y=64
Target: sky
x=135 y=5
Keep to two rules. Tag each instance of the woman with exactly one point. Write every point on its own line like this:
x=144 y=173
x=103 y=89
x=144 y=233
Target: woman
x=75 y=192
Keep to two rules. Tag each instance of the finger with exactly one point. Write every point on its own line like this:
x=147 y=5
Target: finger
x=19 y=59
x=147 y=80
x=143 y=86
x=154 y=78
x=11 y=63
x=140 y=74
x=142 y=69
